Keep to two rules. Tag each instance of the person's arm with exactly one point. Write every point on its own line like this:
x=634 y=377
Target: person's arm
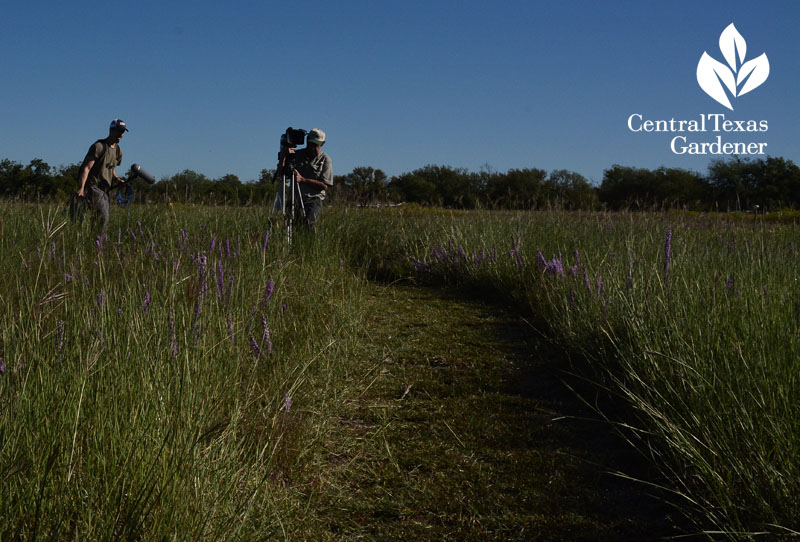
x=114 y=177
x=308 y=180
x=325 y=179
x=87 y=166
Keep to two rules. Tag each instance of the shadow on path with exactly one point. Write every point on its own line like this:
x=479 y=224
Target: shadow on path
x=464 y=430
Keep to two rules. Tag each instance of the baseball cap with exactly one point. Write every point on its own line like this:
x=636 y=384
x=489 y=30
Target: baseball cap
x=316 y=136
x=119 y=125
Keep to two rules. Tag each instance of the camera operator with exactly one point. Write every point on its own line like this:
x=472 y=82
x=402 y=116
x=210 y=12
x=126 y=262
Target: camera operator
x=98 y=170
x=313 y=173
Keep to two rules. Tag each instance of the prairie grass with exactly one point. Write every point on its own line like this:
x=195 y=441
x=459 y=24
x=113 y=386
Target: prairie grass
x=156 y=379
x=691 y=320
x=148 y=374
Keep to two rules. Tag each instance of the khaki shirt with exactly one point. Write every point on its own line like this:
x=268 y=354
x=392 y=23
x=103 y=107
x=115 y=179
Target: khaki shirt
x=105 y=160
x=318 y=168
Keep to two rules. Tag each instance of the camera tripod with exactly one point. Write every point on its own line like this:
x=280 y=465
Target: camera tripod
x=289 y=205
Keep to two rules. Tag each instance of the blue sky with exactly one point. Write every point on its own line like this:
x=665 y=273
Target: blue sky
x=210 y=86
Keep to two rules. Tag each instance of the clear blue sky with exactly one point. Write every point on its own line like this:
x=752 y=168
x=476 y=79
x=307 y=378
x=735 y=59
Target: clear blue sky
x=210 y=86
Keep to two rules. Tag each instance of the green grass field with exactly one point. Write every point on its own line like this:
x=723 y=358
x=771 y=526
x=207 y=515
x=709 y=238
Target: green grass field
x=172 y=378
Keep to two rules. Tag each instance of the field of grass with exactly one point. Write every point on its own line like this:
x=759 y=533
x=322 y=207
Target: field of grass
x=156 y=381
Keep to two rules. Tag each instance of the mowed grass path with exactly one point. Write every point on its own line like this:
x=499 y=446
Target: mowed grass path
x=454 y=423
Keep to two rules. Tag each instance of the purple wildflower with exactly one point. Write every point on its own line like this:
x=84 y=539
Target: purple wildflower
x=220 y=279
x=213 y=242
x=270 y=289
x=230 y=328
x=101 y=299
x=254 y=348
x=146 y=306
x=172 y=340
x=198 y=308
x=59 y=336
x=68 y=277
x=420 y=267
x=283 y=307
x=265 y=326
x=668 y=252
x=2 y=366
x=729 y=283
x=287 y=402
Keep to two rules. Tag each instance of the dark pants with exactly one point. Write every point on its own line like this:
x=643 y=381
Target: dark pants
x=94 y=199
x=100 y=205
x=313 y=208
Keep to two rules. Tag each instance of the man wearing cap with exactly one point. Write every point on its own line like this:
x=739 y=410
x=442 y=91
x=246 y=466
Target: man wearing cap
x=314 y=174
x=98 y=170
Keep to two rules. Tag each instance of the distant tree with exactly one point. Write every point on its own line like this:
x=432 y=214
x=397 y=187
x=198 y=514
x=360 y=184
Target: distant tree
x=413 y=188
x=364 y=185
x=516 y=189
x=743 y=183
x=626 y=187
x=570 y=190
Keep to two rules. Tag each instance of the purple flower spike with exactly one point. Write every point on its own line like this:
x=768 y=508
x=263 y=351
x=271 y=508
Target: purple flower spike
x=254 y=348
x=270 y=289
x=173 y=342
x=287 y=402
x=667 y=252
x=267 y=340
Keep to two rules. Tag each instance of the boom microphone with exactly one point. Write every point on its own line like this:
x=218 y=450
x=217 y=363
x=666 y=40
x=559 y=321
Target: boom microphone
x=139 y=171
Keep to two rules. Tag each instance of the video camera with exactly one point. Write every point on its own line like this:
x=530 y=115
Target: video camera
x=138 y=171
x=292 y=138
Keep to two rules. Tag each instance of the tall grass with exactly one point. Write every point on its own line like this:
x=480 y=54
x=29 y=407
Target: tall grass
x=692 y=320
x=148 y=374
x=153 y=379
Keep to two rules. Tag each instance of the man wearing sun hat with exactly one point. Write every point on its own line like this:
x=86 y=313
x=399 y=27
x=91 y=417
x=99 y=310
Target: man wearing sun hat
x=314 y=174
x=98 y=170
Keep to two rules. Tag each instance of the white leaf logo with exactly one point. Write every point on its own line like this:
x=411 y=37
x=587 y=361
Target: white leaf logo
x=738 y=77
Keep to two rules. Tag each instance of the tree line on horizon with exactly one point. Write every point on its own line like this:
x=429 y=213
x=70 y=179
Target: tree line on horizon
x=732 y=184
